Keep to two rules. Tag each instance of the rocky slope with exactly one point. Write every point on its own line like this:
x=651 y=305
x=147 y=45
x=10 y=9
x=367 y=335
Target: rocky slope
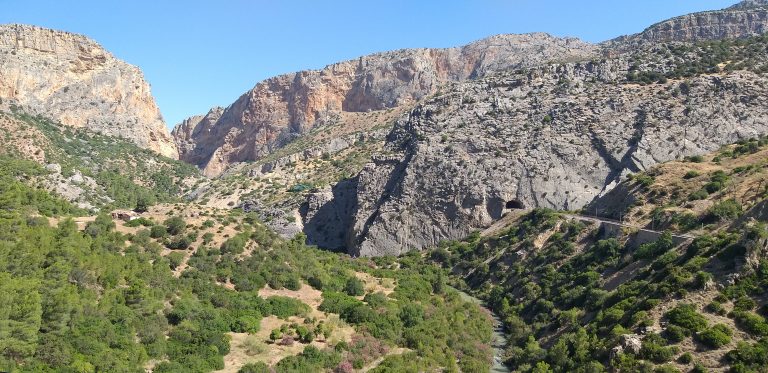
x=91 y=170
x=747 y=18
x=73 y=80
x=552 y=137
x=278 y=110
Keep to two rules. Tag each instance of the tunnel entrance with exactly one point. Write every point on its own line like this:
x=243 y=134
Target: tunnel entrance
x=514 y=205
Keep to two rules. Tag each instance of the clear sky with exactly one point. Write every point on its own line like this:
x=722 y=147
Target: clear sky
x=198 y=54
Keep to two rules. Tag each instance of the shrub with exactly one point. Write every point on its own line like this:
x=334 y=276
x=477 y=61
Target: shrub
x=716 y=336
x=675 y=334
x=653 y=249
x=179 y=243
x=666 y=369
x=744 y=303
x=686 y=316
x=257 y=367
x=698 y=195
x=653 y=349
x=175 y=225
x=644 y=180
x=253 y=346
x=247 y=324
x=138 y=222
x=234 y=245
x=158 y=231
x=727 y=209
x=354 y=287
x=752 y=323
x=685 y=358
x=690 y=174
x=175 y=259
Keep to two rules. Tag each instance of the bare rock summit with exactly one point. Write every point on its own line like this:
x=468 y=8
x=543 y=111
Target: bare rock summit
x=73 y=80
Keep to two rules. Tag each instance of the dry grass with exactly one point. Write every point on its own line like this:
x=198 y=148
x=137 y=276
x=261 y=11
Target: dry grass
x=375 y=284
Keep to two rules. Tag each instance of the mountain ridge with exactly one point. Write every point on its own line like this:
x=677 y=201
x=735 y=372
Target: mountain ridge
x=73 y=80
x=278 y=109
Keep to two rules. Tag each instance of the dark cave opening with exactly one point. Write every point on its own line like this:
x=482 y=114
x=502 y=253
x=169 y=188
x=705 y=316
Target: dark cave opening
x=514 y=205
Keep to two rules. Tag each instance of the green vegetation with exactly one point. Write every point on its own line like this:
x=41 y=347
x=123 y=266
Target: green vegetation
x=129 y=176
x=682 y=61
x=100 y=301
x=563 y=310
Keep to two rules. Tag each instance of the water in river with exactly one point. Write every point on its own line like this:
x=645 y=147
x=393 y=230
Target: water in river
x=499 y=340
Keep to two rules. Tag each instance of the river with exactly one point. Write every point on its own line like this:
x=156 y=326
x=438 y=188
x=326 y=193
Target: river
x=498 y=339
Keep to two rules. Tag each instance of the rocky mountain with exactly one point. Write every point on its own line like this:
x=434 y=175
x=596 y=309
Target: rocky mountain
x=71 y=79
x=556 y=136
x=278 y=110
x=675 y=286
x=747 y=18
x=507 y=122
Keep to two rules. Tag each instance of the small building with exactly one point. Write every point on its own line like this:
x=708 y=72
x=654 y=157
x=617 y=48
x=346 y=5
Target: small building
x=124 y=215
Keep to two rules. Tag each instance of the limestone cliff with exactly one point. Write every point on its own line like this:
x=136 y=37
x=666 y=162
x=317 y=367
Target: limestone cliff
x=553 y=137
x=747 y=18
x=73 y=80
x=280 y=109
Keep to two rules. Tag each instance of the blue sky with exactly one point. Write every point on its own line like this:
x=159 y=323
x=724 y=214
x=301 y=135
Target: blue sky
x=198 y=54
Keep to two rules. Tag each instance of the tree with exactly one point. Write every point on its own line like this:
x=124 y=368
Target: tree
x=20 y=317
x=175 y=225
x=157 y=231
x=438 y=286
x=234 y=245
x=258 y=367
x=354 y=287
x=143 y=202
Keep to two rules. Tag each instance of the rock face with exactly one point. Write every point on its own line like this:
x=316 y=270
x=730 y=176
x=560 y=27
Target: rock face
x=556 y=137
x=185 y=133
x=71 y=79
x=748 y=18
x=280 y=109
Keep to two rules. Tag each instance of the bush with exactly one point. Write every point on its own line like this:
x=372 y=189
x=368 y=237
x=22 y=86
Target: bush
x=234 y=245
x=727 y=209
x=644 y=180
x=253 y=346
x=354 y=287
x=690 y=174
x=653 y=349
x=716 y=336
x=138 y=222
x=685 y=358
x=686 y=316
x=247 y=324
x=158 y=231
x=175 y=225
x=653 y=249
x=257 y=367
x=175 y=259
x=752 y=323
x=698 y=195
x=676 y=334
x=180 y=243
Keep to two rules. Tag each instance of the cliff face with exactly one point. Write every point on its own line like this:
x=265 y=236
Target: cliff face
x=280 y=109
x=71 y=79
x=748 y=18
x=555 y=137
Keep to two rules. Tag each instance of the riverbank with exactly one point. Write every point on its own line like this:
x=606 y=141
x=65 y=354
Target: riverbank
x=498 y=339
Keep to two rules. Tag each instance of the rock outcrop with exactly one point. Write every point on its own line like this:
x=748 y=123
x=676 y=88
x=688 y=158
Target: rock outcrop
x=748 y=18
x=278 y=110
x=556 y=137
x=73 y=80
